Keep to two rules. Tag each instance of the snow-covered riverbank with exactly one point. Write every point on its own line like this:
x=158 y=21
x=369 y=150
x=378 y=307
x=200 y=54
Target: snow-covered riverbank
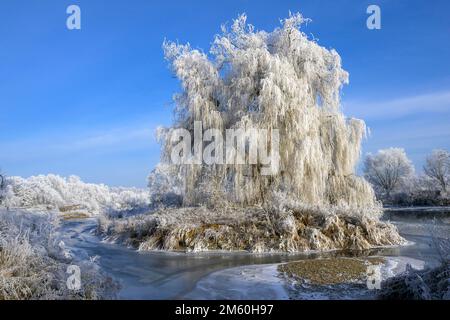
x=35 y=263
x=162 y=275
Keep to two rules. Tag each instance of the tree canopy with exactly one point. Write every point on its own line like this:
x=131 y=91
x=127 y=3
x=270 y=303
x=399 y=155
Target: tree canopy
x=269 y=80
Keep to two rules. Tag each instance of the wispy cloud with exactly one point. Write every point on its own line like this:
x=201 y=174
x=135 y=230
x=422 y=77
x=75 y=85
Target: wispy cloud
x=419 y=124
x=437 y=102
x=114 y=137
x=65 y=143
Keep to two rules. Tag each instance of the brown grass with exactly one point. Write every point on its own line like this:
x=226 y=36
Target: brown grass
x=329 y=271
x=250 y=229
x=75 y=215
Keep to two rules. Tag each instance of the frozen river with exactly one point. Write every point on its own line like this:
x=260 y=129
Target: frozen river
x=161 y=275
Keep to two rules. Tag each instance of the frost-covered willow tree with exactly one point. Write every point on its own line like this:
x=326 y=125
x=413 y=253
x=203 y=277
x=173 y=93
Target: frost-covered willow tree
x=269 y=80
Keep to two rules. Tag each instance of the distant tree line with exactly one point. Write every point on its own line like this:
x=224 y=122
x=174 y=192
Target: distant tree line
x=395 y=181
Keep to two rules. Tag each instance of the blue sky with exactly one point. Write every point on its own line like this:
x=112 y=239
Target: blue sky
x=87 y=102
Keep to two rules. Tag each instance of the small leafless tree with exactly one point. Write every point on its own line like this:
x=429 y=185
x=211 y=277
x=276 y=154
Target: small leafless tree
x=388 y=170
x=437 y=167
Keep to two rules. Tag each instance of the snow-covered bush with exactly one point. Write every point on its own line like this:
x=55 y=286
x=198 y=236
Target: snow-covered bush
x=33 y=263
x=423 y=191
x=389 y=170
x=253 y=229
x=414 y=284
x=280 y=225
x=278 y=80
x=54 y=192
x=165 y=187
x=392 y=176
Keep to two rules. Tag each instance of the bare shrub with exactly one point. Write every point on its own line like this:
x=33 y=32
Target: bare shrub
x=33 y=265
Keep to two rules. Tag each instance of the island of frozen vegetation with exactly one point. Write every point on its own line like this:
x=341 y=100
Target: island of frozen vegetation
x=278 y=80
